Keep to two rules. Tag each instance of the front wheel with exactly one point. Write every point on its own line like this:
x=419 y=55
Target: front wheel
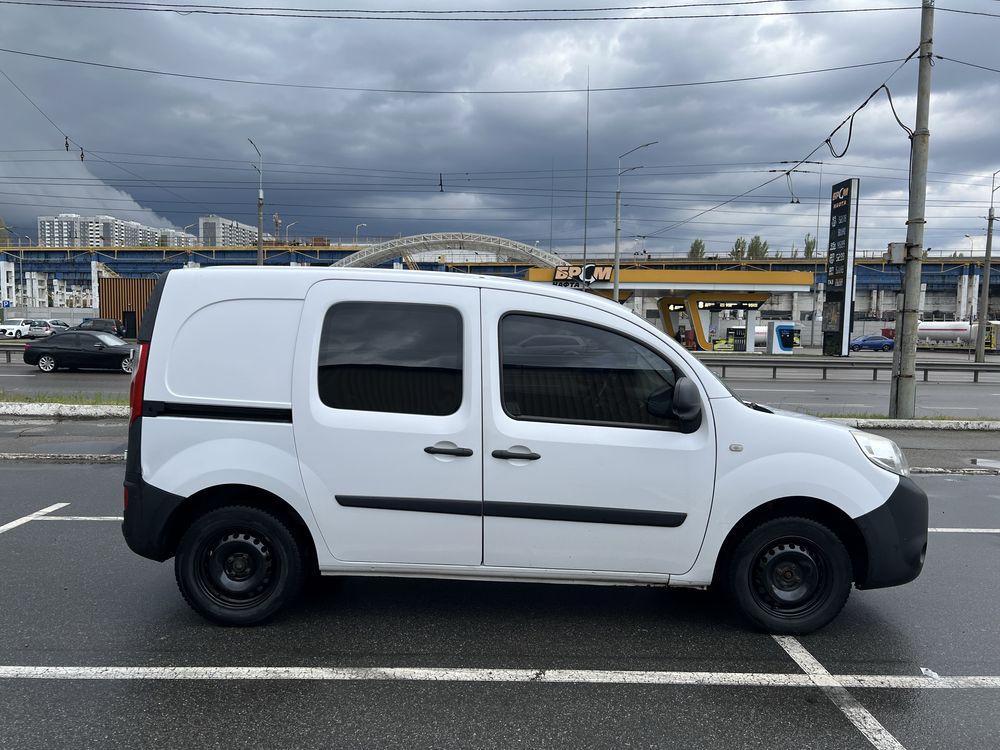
x=855 y=348
x=238 y=565
x=127 y=365
x=886 y=347
x=17 y=334
x=47 y=363
x=790 y=575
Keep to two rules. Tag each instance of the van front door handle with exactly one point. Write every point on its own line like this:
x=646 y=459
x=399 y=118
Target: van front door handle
x=434 y=451
x=509 y=455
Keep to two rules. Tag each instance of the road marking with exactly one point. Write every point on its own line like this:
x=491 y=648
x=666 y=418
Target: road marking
x=825 y=403
x=857 y=714
x=31 y=517
x=444 y=674
x=17 y=376
x=942 y=530
x=956 y=408
x=80 y=518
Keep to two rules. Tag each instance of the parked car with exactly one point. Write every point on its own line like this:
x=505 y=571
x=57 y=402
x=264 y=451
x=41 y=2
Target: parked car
x=15 y=327
x=108 y=325
x=875 y=343
x=403 y=428
x=74 y=349
x=41 y=328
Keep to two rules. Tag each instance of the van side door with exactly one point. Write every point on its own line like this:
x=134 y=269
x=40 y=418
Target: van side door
x=579 y=472
x=387 y=416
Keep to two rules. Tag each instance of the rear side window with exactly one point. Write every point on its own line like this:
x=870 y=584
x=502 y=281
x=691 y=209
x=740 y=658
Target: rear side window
x=560 y=370
x=391 y=357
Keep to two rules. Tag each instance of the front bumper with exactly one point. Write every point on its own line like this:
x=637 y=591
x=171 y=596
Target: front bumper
x=895 y=535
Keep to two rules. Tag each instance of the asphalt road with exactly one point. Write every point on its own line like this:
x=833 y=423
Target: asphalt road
x=73 y=596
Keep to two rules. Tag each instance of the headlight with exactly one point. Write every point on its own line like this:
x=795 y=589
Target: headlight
x=881 y=451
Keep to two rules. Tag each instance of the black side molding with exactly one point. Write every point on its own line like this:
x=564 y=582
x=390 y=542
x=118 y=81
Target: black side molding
x=206 y=411
x=419 y=504
x=584 y=514
x=497 y=509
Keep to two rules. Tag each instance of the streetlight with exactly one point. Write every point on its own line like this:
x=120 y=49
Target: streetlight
x=260 y=203
x=356 y=228
x=287 y=227
x=984 y=292
x=972 y=244
x=618 y=215
x=189 y=226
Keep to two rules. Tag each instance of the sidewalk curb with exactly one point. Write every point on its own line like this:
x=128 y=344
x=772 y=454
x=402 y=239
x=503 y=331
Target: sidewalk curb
x=64 y=411
x=972 y=425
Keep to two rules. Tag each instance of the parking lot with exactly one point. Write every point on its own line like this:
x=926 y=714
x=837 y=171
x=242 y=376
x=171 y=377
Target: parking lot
x=97 y=649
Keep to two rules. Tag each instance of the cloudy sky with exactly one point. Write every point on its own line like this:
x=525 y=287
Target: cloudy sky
x=477 y=120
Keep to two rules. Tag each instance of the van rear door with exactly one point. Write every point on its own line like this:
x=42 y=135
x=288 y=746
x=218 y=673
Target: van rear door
x=387 y=414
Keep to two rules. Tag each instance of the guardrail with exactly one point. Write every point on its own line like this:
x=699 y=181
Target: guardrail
x=825 y=365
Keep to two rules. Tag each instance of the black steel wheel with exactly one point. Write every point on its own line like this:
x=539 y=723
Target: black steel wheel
x=790 y=575
x=238 y=565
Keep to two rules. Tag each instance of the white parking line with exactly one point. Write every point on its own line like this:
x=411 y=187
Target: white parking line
x=80 y=518
x=31 y=517
x=857 y=714
x=776 y=390
x=16 y=376
x=446 y=674
x=965 y=531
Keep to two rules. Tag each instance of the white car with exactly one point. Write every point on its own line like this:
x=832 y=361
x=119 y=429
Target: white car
x=446 y=425
x=41 y=328
x=15 y=328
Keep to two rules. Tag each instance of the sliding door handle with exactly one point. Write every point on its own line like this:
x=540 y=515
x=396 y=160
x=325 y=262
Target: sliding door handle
x=434 y=451
x=511 y=455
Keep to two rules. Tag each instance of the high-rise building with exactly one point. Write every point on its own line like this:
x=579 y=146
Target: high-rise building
x=73 y=230
x=218 y=231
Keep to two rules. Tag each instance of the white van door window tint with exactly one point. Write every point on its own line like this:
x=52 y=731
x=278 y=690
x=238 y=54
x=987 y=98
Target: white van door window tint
x=391 y=357
x=555 y=369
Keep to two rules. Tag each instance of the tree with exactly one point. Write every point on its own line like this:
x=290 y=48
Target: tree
x=697 y=249
x=757 y=248
x=810 y=246
x=739 y=248
x=795 y=251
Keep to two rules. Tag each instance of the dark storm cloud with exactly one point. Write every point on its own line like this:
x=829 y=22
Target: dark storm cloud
x=509 y=164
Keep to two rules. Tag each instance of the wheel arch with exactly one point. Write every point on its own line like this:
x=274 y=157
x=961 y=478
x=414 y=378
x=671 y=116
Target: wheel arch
x=221 y=496
x=812 y=508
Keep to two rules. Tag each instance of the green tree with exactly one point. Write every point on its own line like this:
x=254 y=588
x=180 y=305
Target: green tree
x=739 y=250
x=757 y=248
x=697 y=249
x=795 y=251
x=810 y=246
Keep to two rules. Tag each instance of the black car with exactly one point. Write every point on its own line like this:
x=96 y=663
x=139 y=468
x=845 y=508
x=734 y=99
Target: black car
x=108 y=325
x=75 y=348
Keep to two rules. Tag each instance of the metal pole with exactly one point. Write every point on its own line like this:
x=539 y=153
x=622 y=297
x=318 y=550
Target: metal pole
x=903 y=406
x=984 y=292
x=618 y=233
x=260 y=205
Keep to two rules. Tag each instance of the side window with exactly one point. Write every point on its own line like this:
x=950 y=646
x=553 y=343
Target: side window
x=560 y=370
x=391 y=357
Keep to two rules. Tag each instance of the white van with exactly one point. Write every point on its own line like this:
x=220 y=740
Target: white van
x=440 y=425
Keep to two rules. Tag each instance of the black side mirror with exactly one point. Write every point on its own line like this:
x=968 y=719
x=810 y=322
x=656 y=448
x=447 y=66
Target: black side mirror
x=687 y=404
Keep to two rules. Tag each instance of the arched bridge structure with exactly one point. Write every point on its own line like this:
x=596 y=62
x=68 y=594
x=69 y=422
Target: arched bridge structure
x=503 y=248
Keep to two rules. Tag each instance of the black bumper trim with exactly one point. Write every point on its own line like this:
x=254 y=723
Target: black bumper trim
x=895 y=535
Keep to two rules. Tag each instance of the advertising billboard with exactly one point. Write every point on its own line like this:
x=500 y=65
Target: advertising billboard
x=838 y=308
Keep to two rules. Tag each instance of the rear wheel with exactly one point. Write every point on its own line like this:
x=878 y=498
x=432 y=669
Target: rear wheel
x=886 y=347
x=238 y=565
x=790 y=575
x=47 y=363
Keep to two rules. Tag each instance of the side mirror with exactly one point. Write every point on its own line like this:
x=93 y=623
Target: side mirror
x=687 y=405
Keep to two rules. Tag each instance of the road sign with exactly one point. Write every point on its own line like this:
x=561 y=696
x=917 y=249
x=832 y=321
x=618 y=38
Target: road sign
x=6 y=303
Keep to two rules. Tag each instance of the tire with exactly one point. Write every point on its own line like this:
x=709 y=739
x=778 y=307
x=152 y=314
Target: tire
x=238 y=565
x=17 y=334
x=886 y=347
x=855 y=348
x=126 y=365
x=47 y=363
x=790 y=576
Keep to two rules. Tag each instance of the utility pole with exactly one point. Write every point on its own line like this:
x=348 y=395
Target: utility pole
x=618 y=215
x=903 y=402
x=984 y=291
x=260 y=203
